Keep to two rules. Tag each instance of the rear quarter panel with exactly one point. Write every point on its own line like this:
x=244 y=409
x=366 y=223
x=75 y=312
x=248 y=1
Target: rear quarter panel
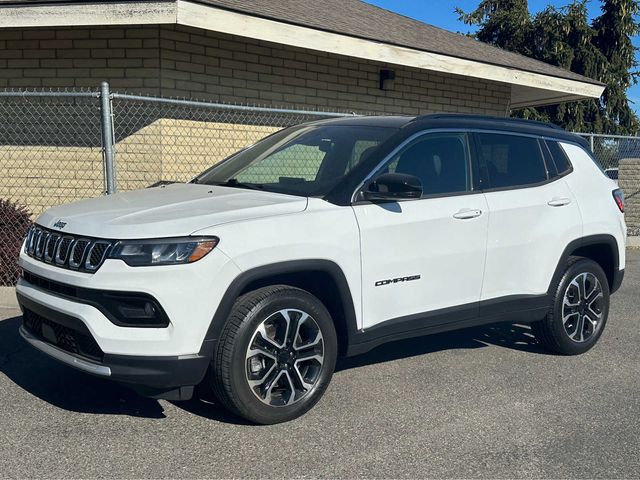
x=593 y=191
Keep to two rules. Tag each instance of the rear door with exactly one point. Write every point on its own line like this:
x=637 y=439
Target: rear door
x=532 y=215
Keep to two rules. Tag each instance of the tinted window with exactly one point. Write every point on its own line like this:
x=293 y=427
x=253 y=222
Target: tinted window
x=307 y=160
x=559 y=157
x=511 y=160
x=440 y=161
x=552 y=170
x=297 y=160
x=361 y=151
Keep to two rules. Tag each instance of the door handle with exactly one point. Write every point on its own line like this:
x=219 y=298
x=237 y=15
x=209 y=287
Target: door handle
x=559 y=202
x=467 y=213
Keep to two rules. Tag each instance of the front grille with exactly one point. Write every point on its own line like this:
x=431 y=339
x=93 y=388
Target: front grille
x=62 y=255
x=66 y=251
x=77 y=341
x=78 y=252
x=49 y=285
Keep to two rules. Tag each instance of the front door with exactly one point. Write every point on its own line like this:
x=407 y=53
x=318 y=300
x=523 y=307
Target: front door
x=423 y=260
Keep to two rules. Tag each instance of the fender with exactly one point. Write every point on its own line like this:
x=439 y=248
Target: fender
x=247 y=277
x=606 y=239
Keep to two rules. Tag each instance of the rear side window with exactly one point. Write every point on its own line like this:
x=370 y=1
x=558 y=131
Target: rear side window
x=511 y=160
x=559 y=157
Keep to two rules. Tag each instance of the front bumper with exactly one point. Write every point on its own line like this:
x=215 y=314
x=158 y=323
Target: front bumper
x=188 y=294
x=170 y=377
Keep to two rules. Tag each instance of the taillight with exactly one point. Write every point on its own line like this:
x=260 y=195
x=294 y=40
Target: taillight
x=618 y=196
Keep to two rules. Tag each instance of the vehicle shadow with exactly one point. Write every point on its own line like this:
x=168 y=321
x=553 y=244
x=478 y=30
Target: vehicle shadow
x=75 y=391
x=63 y=386
x=507 y=335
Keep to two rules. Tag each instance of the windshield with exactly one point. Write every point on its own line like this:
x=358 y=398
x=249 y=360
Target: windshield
x=306 y=160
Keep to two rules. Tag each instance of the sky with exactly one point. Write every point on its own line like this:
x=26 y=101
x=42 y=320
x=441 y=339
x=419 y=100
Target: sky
x=441 y=13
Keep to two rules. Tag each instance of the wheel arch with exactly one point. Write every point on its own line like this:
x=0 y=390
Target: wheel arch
x=322 y=278
x=602 y=249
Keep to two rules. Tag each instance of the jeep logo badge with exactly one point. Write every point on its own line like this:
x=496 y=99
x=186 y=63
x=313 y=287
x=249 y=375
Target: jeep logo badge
x=60 y=224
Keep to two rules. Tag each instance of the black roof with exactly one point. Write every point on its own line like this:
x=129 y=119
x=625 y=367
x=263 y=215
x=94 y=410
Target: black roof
x=396 y=121
x=486 y=118
x=461 y=121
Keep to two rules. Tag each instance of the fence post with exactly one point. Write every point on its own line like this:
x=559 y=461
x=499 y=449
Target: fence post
x=106 y=123
x=591 y=142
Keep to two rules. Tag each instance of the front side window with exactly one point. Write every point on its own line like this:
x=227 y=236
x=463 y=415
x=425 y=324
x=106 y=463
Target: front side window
x=439 y=160
x=511 y=160
x=306 y=160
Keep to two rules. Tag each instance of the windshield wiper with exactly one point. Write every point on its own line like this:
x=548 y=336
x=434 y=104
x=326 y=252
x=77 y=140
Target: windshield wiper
x=233 y=182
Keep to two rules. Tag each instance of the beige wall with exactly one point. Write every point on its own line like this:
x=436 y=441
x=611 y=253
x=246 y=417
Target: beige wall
x=196 y=64
x=178 y=150
x=629 y=180
x=187 y=62
x=40 y=177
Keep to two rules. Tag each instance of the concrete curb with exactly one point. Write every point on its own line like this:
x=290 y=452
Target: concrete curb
x=8 y=297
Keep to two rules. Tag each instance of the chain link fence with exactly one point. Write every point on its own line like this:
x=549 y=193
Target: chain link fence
x=50 y=153
x=611 y=149
x=58 y=147
x=174 y=140
x=620 y=157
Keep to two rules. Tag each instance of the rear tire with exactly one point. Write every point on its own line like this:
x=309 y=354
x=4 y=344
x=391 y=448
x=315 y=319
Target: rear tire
x=580 y=309
x=276 y=355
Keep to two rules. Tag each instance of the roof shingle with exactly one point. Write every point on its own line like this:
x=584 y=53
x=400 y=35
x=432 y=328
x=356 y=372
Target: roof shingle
x=359 y=19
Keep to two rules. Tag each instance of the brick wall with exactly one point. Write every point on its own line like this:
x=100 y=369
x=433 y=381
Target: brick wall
x=187 y=62
x=191 y=63
x=41 y=177
x=178 y=150
x=629 y=180
x=230 y=69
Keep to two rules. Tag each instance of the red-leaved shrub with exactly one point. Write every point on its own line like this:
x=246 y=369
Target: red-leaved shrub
x=15 y=220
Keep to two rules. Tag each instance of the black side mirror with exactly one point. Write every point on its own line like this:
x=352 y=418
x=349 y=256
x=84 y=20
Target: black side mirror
x=392 y=187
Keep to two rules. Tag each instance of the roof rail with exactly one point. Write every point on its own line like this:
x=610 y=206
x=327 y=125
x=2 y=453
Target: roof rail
x=464 y=116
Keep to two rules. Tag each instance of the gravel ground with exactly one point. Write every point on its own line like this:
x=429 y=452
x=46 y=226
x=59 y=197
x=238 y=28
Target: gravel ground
x=483 y=402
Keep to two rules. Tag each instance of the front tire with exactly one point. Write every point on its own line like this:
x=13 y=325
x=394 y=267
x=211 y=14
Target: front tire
x=276 y=355
x=580 y=309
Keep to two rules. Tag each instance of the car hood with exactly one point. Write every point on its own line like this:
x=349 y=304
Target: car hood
x=170 y=211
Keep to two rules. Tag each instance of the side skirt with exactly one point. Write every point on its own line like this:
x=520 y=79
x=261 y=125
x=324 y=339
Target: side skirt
x=513 y=309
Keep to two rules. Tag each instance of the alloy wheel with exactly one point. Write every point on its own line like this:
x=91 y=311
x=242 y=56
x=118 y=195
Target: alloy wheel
x=582 y=307
x=285 y=357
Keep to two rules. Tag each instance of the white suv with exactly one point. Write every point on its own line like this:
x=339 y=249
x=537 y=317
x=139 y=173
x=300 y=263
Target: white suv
x=327 y=239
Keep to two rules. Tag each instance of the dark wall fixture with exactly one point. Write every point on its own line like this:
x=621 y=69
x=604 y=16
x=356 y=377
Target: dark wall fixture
x=386 y=79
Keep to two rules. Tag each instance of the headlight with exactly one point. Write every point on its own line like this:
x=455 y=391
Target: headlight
x=169 y=251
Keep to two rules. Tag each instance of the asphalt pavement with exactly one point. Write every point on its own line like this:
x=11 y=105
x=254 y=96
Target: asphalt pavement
x=482 y=402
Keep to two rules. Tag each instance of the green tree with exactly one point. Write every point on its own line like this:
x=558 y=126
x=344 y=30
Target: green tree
x=564 y=37
x=504 y=23
x=614 y=28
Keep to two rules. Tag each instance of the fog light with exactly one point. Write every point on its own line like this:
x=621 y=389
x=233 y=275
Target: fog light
x=133 y=310
x=142 y=310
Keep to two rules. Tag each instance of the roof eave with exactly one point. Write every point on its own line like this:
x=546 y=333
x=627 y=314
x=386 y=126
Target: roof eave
x=88 y=14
